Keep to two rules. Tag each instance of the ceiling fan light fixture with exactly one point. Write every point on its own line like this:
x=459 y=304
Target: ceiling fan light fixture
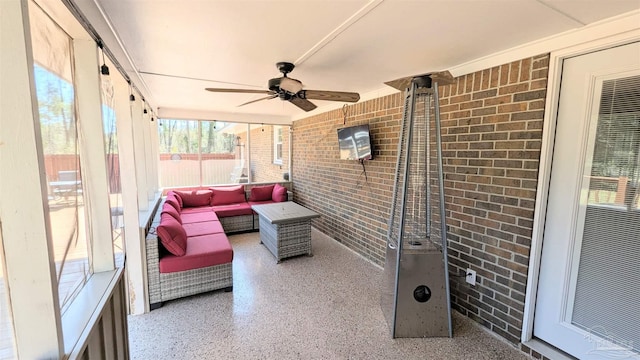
x=288 y=89
x=290 y=85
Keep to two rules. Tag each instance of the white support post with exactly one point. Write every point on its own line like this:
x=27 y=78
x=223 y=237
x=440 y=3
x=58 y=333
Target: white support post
x=92 y=156
x=289 y=170
x=137 y=120
x=133 y=242
x=155 y=154
x=151 y=191
x=24 y=221
x=247 y=148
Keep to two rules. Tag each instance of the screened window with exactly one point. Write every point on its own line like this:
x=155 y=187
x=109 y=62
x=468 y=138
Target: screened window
x=202 y=153
x=179 y=158
x=277 y=145
x=223 y=152
x=109 y=118
x=59 y=135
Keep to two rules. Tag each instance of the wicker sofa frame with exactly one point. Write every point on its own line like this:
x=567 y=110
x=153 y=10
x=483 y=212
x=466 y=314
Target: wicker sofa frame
x=169 y=286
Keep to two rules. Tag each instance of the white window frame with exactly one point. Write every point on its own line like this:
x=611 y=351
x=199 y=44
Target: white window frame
x=277 y=140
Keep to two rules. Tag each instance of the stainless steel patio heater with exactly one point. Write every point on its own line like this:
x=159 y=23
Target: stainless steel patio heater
x=415 y=291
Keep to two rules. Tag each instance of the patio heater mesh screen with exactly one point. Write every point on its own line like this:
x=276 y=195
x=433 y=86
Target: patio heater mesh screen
x=415 y=295
x=417 y=185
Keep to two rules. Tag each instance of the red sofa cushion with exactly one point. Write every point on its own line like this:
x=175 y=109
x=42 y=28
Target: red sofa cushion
x=233 y=210
x=202 y=251
x=228 y=195
x=195 y=198
x=196 y=217
x=261 y=193
x=194 y=210
x=279 y=193
x=173 y=193
x=169 y=209
x=172 y=235
x=203 y=228
x=173 y=201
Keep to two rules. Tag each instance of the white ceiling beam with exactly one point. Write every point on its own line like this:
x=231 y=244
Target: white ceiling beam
x=124 y=50
x=563 y=13
x=93 y=12
x=338 y=30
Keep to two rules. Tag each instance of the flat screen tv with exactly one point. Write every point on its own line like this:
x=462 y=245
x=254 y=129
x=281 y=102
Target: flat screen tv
x=355 y=143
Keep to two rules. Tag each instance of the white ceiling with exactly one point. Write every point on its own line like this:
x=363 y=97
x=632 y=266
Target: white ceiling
x=341 y=45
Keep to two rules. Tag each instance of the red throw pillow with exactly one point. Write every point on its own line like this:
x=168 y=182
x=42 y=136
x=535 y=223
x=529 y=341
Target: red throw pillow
x=261 y=193
x=228 y=195
x=169 y=209
x=173 y=201
x=279 y=193
x=195 y=198
x=171 y=192
x=172 y=235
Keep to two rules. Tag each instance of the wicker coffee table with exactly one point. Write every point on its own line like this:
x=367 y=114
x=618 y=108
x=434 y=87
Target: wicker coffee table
x=285 y=228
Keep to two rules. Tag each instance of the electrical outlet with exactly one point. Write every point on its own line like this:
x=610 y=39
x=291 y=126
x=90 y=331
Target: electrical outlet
x=471 y=277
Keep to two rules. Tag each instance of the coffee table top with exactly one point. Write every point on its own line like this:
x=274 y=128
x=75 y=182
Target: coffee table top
x=284 y=212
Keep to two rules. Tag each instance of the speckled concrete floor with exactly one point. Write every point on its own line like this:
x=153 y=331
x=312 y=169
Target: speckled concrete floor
x=320 y=307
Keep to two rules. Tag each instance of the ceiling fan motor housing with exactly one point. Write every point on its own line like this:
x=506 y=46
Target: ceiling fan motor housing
x=285 y=67
x=285 y=95
x=274 y=84
x=291 y=90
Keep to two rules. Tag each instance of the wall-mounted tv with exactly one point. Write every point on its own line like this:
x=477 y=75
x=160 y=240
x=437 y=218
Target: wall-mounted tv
x=355 y=143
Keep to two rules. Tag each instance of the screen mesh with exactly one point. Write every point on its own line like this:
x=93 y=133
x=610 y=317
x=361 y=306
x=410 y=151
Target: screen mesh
x=417 y=188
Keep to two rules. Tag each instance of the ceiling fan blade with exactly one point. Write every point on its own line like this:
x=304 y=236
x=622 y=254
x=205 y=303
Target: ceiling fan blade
x=329 y=95
x=256 y=100
x=303 y=104
x=441 y=77
x=243 y=91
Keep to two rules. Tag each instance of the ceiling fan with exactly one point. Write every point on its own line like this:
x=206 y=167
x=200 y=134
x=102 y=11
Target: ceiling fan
x=291 y=90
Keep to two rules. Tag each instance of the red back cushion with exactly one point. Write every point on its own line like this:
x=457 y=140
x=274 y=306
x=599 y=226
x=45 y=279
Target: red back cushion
x=279 y=193
x=228 y=195
x=172 y=201
x=169 y=209
x=172 y=235
x=195 y=198
x=171 y=192
x=261 y=193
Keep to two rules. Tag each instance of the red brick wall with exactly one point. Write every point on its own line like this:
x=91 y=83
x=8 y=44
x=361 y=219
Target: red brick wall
x=355 y=211
x=262 y=167
x=492 y=126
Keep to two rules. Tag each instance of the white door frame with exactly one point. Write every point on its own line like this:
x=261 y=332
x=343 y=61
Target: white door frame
x=610 y=34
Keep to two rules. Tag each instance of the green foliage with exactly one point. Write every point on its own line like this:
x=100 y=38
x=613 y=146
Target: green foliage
x=617 y=147
x=56 y=109
x=183 y=136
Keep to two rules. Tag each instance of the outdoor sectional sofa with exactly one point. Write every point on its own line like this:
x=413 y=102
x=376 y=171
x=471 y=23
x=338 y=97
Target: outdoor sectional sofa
x=189 y=252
